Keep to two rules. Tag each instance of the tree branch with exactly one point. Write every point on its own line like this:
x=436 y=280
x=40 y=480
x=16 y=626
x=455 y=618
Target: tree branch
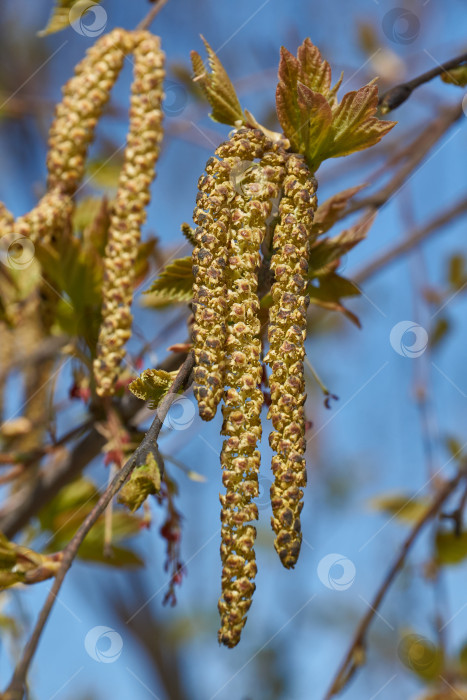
x=411 y=241
x=15 y=690
x=417 y=151
x=49 y=482
x=147 y=21
x=400 y=93
x=354 y=656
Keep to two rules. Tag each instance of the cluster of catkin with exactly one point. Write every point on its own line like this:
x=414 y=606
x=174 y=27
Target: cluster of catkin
x=72 y=131
x=234 y=208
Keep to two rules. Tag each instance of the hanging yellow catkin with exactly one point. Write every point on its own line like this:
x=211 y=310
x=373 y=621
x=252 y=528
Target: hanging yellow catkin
x=128 y=211
x=243 y=398
x=287 y=331
x=84 y=98
x=212 y=216
x=48 y=218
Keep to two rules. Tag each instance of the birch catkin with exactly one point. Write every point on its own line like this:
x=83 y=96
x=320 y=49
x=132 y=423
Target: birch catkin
x=212 y=215
x=287 y=331
x=128 y=211
x=243 y=399
x=84 y=98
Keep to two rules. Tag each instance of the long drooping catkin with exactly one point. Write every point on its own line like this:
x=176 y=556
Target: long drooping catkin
x=243 y=398
x=212 y=215
x=48 y=218
x=84 y=98
x=287 y=330
x=128 y=211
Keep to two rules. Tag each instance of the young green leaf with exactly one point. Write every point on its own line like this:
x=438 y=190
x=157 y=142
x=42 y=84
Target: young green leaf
x=331 y=287
x=67 y=11
x=144 y=481
x=354 y=126
x=402 y=506
x=456 y=76
x=217 y=88
x=315 y=119
x=331 y=210
x=152 y=385
x=450 y=548
x=175 y=283
x=327 y=251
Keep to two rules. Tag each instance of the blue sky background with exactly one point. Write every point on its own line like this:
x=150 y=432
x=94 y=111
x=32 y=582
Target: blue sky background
x=369 y=442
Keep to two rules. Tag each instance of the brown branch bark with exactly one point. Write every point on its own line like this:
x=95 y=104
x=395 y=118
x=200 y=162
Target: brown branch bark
x=49 y=482
x=400 y=93
x=16 y=689
x=148 y=20
x=413 y=240
x=416 y=153
x=353 y=658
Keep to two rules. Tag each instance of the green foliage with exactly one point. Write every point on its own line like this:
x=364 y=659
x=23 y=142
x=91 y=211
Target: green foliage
x=144 y=481
x=65 y=513
x=327 y=291
x=174 y=284
x=456 y=76
x=315 y=124
x=328 y=213
x=402 y=506
x=23 y=565
x=450 y=548
x=60 y=17
x=217 y=88
x=421 y=656
x=324 y=253
x=152 y=385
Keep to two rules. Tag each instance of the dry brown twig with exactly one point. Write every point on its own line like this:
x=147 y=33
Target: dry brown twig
x=15 y=690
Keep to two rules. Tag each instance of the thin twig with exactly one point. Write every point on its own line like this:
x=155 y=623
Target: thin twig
x=418 y=151
x=413 y=240
x=400 y=93
x=15 y=690
x=147 y=21
x=31 y=500
x=354 y=655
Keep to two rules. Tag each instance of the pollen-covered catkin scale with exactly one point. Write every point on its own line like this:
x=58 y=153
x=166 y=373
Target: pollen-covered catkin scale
x=48 y=218
x=128 y=210
x=243 y=398
x=84 y=98
x=287 y=330
x=209 y=289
